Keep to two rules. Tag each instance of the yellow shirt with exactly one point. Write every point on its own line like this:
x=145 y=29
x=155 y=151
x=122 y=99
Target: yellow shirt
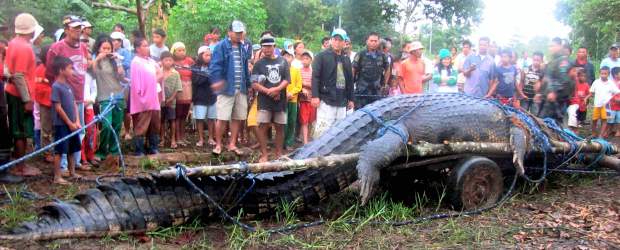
x=294 y=87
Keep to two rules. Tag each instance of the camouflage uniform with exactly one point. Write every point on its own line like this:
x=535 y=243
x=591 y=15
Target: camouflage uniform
x=369 y=68
x=557 y=80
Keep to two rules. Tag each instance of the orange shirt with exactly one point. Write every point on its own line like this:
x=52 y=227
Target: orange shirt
x=412 y=73
x=20 y=59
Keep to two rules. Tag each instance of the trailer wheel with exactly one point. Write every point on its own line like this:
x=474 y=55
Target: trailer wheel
x=475 y=182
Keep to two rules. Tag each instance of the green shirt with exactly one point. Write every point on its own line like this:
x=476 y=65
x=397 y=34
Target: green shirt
x=172 y=84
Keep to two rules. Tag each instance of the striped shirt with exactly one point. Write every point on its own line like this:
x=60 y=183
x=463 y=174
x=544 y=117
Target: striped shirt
x=306 y=79
x=238 y=66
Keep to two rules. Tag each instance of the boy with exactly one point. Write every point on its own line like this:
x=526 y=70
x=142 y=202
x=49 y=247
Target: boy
x=603 y=91
x=307 y=113
x=577 y=102
x=505 y=80
x=159 y=44
x=65 y=118
x=614 y=105
x=172 y=86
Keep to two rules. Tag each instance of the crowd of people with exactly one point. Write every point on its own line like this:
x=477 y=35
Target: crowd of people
x=236 y=92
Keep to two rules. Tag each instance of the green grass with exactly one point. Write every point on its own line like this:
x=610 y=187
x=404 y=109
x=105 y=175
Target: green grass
x=17 y=211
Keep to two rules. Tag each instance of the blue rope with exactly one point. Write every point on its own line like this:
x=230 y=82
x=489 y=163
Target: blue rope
x=113 y=103
x=385 y=126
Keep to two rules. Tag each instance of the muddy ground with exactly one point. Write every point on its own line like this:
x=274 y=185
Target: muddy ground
x=566 y=212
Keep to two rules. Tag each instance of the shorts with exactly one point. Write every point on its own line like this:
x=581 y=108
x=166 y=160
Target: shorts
x=20 y=122
x=203 y=111
x=572 y=115
x=327 y=116
x=613 y=117
x=181 y=111
x=267 y=116
x=599 y=113
x=168 y=113
x=253 y=114
x=232 y=107
x=68 y=146
x=307 y=113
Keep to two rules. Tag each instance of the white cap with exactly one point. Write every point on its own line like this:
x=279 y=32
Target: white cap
x=38 y=30
x=416 y=45
x=25 y=24
x=86 y=24
x=117 y=35
x=203 y=49
x=237 y=26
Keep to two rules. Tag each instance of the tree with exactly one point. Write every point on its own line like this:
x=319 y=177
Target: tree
x=444 y=37
x=360 y=17
x=595 y=23
x=459 y=13
x=191 y=20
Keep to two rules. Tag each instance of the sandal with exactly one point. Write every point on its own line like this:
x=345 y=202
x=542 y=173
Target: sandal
x=200 y=144
x=217 y=151
x=173 y=145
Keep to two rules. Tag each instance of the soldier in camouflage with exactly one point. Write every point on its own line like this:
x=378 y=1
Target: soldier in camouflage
x=370 y=72
x=558 y=84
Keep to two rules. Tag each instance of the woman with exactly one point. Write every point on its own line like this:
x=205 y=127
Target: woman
x=108 y=73
x=145 y=98
x=299 y=48
x=203 y=97
x=444 y=75
x=184 y=99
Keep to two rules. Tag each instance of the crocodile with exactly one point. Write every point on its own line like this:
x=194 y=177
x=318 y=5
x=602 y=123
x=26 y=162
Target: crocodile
x=379 y=131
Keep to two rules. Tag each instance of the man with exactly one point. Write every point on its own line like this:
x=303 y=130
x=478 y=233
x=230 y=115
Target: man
x=332 y=83
x=348 y=49
x=612 y=60
x=582 y=61
x=387 y=50
x=413 y=70
x=230 y=76
x=120 y=28
x=21 y=64
x=87 y=30
x=325 y=43
x=530 y=84
x=71 y=47
x=459 y=61
x=270 y=76
x=559 y=85
x=525 y=61
x=159 y=43
x=478 y=70
x=370 y=72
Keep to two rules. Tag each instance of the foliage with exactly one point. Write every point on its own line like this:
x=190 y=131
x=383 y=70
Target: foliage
x=104 y=20
x=444 y=37
x=458 y=13
x=360 y=17
x=191 y=20
x=595 y=23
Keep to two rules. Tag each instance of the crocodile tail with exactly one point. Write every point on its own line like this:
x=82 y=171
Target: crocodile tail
x=120 y=207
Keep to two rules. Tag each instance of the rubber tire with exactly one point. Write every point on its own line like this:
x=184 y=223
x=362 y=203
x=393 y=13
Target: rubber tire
x=464 y=172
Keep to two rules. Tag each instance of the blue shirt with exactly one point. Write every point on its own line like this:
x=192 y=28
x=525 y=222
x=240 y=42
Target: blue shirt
x=222 y=68
x=507 y=79
x=61 y=93
x=477 y=84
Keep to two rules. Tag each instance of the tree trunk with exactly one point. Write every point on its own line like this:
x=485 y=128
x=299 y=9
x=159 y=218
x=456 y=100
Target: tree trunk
x=140 y=13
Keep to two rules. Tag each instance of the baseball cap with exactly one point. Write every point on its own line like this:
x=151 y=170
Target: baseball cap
x=288 y=51
x=203 y=49
x=72 y=21
x=267 y=40
x=25 y=24
x=443 y=53
x=86 y=24
x=614 y=45
x=309 y=53
x=340 y=32
x=256 y=47
x=117 y=36
x=237 y=26
x=416 y=46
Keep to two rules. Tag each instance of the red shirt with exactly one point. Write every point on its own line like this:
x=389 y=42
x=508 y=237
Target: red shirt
x=614 y=103
x=186 y=74
x=20 y=59
x=412 y=72
x=42 y=88
x=78 y=55
x=581 y=91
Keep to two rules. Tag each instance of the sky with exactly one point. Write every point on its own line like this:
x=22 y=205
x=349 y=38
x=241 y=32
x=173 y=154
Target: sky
x=502 y=19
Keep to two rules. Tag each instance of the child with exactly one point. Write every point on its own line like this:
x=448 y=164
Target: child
x=394 y=89
x=614 y=105
x=603 y=90
x=65 y=118
x=307 y=113
x=504 y=86
x=203 y=97
x=159 y=44
x=292 y=94
x=43 y=104
x=89 y=142
x=577 y=102
x=172 y=86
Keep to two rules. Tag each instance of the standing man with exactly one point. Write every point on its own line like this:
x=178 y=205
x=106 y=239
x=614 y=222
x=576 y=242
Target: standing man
x=559 y=85
x=332 y=83
x=530 y=84
x=230 y=76
x=87 y=31
x=270 y=76
x=159 y=43
x=21 y=64
x=413 y=70
x=459 y=61
x=582 y=61
x=71 y=47
x=612 y=60
x=478 y=70
x=370 y=72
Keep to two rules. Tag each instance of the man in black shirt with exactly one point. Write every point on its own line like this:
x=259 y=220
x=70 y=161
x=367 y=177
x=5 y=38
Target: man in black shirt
x=270 y=76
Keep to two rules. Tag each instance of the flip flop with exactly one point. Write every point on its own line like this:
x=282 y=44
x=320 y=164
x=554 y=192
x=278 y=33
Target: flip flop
x=173 y=146
x=217 y=151
x=200 y=144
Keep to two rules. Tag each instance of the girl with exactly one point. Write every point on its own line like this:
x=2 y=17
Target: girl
x=203 y=97
x=444 y=75
x=184 y=99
